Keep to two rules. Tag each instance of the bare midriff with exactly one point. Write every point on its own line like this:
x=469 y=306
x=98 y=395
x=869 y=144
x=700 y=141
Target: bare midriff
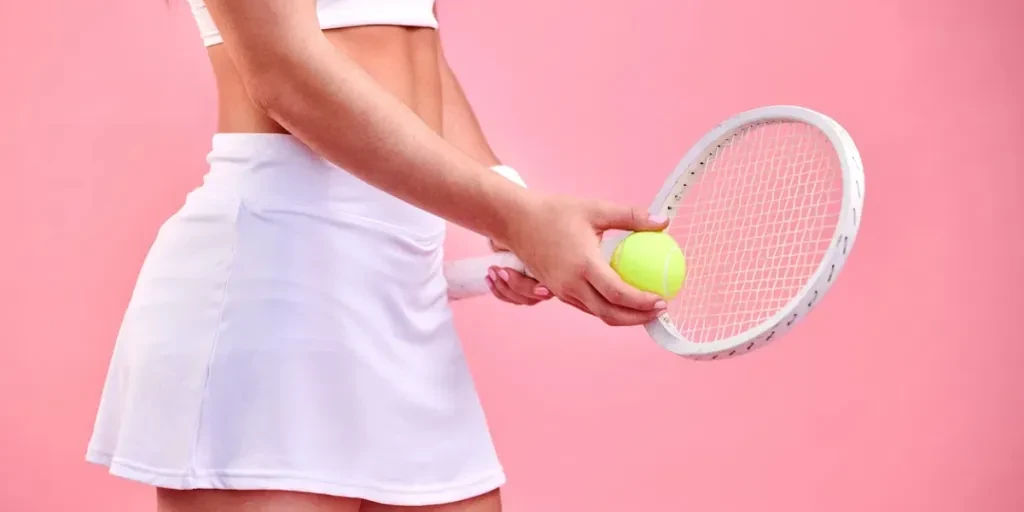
x=403 y=60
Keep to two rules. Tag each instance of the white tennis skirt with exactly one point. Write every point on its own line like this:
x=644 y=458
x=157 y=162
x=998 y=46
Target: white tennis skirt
x=290 y=330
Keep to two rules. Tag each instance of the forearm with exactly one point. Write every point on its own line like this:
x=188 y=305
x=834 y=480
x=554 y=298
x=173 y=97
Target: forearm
x=462 y=129
x=334 y=106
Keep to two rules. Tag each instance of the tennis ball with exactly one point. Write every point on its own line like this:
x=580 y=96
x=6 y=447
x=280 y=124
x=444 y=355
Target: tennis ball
x=651 y=261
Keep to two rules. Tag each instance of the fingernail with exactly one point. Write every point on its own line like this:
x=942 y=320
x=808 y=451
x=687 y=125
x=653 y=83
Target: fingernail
x=658 y=219
x=660 y=305
x=542 y=291
x=491 y=274
x=504 y=275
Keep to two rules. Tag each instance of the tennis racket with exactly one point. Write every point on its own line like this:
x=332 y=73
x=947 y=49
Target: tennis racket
x=766 y=208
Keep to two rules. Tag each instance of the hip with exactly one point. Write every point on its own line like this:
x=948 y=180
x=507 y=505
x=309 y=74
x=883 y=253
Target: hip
x=278 y=243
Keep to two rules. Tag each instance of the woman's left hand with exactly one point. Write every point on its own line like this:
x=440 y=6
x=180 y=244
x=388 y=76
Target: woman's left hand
x=514 y=287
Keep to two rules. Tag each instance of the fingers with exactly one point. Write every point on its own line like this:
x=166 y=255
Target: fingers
x=608 y=313
x=497 y=246
x=627 y=218
x=614 y=314
x=513 y=287
x=576 y=304
x=603 y=294
x=617 y=292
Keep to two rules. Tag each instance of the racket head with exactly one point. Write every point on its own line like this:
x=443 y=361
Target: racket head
x=806 y=171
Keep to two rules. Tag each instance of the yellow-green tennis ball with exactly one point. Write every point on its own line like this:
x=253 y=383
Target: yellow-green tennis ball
x=651 y=261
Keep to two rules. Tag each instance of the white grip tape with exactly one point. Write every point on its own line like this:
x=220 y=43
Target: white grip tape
x=467 y=278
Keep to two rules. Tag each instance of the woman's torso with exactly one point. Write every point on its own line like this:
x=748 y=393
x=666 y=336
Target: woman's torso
x=403 y=60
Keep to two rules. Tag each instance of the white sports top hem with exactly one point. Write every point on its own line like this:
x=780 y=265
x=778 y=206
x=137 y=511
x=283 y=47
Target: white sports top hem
x=340 y=14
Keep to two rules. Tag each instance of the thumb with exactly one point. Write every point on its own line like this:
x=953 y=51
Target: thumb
x=627 y=218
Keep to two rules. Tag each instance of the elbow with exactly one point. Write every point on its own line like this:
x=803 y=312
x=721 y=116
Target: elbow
x=265 y=91
x=282 y=97
x=268 y=80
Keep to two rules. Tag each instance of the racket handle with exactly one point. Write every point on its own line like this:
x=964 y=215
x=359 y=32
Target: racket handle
x=468 y=278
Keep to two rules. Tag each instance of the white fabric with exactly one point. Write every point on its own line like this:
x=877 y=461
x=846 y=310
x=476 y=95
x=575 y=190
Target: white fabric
x=341 y=13
x=509 y=174
x=290 y=330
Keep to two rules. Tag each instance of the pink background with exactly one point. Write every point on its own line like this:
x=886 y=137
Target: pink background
x=901 y=393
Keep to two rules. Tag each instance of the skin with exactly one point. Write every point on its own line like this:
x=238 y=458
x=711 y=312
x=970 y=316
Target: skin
x=279 y=501
x=382 y=103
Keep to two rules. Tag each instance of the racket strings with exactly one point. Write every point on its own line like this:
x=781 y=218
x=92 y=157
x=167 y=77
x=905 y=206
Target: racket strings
x=754 y=226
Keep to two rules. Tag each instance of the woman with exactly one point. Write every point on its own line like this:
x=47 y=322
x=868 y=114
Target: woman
x=289 y=346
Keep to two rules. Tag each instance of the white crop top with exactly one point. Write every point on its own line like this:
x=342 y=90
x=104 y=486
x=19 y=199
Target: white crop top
x=342 y=13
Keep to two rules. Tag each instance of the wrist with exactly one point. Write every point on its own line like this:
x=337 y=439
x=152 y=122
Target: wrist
x=513 y=207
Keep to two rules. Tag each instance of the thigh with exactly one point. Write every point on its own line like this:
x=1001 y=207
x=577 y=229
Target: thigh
x=250 y=501
x=490 y=502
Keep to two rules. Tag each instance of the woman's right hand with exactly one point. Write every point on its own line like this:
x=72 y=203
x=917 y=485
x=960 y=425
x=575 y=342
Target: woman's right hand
x=558 y=238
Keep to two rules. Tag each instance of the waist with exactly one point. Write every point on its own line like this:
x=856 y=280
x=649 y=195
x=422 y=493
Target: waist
x=403 y=60
x=277 y=175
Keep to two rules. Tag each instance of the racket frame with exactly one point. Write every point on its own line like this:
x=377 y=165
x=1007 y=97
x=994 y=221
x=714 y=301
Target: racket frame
x=689 y=170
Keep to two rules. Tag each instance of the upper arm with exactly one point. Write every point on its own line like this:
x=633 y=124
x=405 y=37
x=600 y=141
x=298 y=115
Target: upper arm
x=263 y=35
